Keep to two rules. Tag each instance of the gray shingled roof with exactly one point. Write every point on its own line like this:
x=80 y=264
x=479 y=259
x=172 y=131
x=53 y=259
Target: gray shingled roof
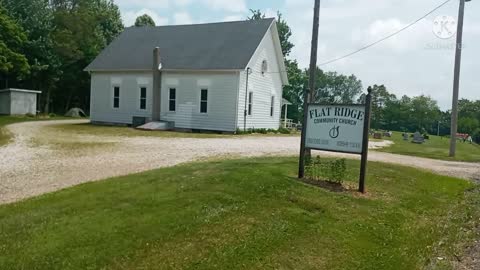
x=213 y=46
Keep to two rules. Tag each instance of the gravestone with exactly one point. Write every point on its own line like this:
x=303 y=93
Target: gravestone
x=418 y=138
x=405 y=136
x=377 y=135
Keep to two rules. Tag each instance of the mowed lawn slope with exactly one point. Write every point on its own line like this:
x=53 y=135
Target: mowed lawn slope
x=436 y=148
x=242 y=214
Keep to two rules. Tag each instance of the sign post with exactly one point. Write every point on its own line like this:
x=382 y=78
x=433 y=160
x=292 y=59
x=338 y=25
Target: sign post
x=366 y=128
x=337 y=128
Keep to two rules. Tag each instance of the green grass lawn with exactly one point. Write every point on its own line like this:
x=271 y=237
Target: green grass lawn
x=89 y=129
x=436 y=148
x=243 y=214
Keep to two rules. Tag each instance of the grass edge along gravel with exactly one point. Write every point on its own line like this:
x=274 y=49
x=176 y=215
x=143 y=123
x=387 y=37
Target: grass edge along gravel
x=243 y=214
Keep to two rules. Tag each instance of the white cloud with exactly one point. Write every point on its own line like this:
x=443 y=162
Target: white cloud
x=129 y=17
x=232 y=18
x=182 y=18
x=183 y=3
x=227 y=5
x=157 y=4
x=407 y=64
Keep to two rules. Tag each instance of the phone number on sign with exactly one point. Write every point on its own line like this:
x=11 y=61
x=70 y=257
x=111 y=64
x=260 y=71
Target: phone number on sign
x=349 y=144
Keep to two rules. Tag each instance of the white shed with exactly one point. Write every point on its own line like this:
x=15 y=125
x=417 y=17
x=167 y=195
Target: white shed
x=18 y=101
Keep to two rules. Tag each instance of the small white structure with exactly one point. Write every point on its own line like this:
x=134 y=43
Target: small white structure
x=18 y=101
x=192 y=76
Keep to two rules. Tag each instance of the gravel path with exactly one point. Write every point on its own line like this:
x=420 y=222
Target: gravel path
x=33 y=165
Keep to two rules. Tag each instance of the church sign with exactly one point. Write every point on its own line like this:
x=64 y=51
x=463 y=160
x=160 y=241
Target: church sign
x=336 y=128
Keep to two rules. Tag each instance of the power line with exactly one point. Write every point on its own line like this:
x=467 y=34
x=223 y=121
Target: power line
x=387 y=37
x=374 y=43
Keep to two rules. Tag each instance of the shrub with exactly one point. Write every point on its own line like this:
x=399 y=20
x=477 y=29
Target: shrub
x=284 y=131
x=330 y=170
x=476 y=135
x=262 y=131
x=30 y=115
x=52 y=115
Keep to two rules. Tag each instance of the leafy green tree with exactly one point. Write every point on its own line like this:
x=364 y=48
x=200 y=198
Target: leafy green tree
x=381 y=98
x=468 y=125
x=144 y=20
x=335 y=88
x=12 y=42
x=284 y=31
x=36 y=17
x=424 y=112
x=257 y=14
x=294 y=91
x=82 y=29
x=469 y=108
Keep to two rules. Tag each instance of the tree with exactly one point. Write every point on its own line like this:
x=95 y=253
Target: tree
x=425 y=112
x=294 y=91
x=82 y=29
x=12 y=42
x=144 y=20
x=380 y=99
x=257 y=14
x=336 y=88
x=284 y=31
x=36 y=17
x=468 y=125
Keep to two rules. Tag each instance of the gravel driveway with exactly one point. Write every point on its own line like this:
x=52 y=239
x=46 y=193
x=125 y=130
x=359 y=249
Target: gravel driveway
x=29 y=167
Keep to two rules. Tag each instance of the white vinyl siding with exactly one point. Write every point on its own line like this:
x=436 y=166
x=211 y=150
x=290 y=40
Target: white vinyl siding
x=263 y=86
x=221 y=100
x=102 y=95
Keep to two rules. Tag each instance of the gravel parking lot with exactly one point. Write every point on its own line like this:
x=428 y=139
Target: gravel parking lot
x=34 y=163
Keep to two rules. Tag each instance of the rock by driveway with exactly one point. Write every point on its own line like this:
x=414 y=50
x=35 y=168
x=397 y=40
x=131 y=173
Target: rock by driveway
x=29 y=168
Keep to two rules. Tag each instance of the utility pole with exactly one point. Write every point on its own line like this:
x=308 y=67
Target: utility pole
x=456 y=78
x=311 y=85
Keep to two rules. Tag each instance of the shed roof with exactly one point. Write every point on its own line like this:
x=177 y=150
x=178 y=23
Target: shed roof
x=212 y=46
x=20 y=90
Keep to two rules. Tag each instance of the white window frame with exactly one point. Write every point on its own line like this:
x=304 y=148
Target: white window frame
x=202 y=101
x=250 y=103
x=170 y=99
x=113 y=96
x=140 y=97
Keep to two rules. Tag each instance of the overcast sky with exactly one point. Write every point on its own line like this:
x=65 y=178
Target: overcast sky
x=414 y=62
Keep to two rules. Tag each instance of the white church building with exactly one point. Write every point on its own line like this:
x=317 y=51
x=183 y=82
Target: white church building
x=216 y=76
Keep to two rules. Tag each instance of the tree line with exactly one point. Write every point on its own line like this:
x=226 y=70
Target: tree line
x=46 y=44
x=389 y=112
